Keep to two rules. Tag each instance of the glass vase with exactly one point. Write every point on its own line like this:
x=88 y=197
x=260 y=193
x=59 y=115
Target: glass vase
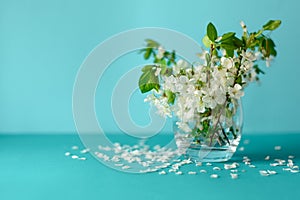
x=212 y=138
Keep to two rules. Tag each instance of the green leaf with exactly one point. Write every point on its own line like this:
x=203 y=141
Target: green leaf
x=259 y=33
x=148 y=81
x=207 y=58
x=166 y=71
x=272 y=25
x=148 y=87
x=237 y=42
x=148 y=68
x=258 y=70
x=206 y=41
x=211 y=32
x=239 y=80
x=268 y=47
x=228 y=46
x=227 y=36
x=147 y=53
x=173 y=55
x=171 y=96
x=231 y=43
x=229 y=53
x=162 y=63
x=152 y=43
x=271 y=46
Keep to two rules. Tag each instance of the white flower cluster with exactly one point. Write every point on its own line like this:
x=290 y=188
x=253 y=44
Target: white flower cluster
x=202 y=87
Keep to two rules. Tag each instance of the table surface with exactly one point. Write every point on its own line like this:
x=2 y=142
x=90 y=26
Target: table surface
x=35 y=167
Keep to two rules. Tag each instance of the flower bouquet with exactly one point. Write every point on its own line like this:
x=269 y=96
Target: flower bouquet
x=204 y=97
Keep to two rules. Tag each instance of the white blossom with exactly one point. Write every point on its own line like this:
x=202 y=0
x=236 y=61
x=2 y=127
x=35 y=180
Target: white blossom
x=184 y=126
x=268 y=61
x=236 y=91
x=157 y=72
x=160 y=52
x=200 y=107
x=169 y=83
x=247 y=65
x=202 y=56
x=248 y=55
x=244 y=27
x=181 y=64
x=227 y=62
x=161 y=103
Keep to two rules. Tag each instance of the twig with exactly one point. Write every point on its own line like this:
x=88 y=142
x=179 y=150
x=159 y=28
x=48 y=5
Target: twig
x=224 y=134
x=218 y=120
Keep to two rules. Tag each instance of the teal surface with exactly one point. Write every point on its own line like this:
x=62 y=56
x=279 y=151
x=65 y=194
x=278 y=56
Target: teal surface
x=43 y=44
x=34 y=167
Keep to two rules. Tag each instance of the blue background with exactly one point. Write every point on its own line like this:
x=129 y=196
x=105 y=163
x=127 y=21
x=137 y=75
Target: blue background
x=43 y=43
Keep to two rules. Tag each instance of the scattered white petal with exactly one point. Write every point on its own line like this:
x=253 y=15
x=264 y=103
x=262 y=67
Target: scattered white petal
x=252 y=166
x=241 y=148
x=82 y=158
x=294 y=171
x=286 y=169
x=126 y=167
x=234 y=176
x=264 y=173
x=271 y=172
x=74 y=156
x=198 y=164
x=279 y=160
x=234 y=170
x=277 y=148
x=295 y=167
x=83 y=151
x=67 y=153
x=119 y=164
x=75 y=147
x=267 y=158
x=178 y=173
x=274 y=164
x=214 y=176
x=291 y=157
x=208 y=164
x=230 y=166
x=162 y=173
x=246 y=141
x=203 y=171
x=192 y=172
x=217 y=168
